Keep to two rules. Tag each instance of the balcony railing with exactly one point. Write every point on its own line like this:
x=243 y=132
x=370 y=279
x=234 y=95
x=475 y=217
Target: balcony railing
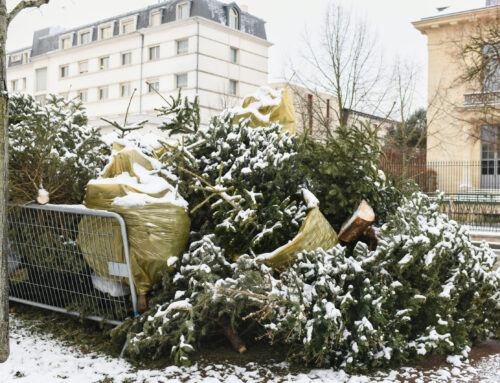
x=482 y=98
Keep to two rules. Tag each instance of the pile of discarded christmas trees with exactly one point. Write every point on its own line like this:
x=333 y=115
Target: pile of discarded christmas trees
x=246 y=229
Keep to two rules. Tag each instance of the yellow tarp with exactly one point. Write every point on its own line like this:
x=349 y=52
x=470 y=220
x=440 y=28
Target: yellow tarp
x=156 y=230
x=267 y=106
x=315 y=232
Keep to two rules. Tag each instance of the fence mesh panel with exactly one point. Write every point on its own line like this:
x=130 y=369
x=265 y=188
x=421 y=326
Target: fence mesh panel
x=48 y=269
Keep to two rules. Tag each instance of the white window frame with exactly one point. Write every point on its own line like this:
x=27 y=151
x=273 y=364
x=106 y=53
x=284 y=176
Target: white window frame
x=154 y=83
x=26 y=57
x=23 y=83
x=231 y=92
x=234 y=18
x=127 y=86
x=80 y=66
x=150 y=50
x=124 y=54
x=105 y=26
x=13 y=85
x=100 y=93
x=44 y=87
x=16 y=57
x=177 y=77
x=179 y=8
x=101 y=67
x=152 y=15
x=64 y=71
x=236 y=55
x=83 y=95
x=81 y=33
x=178 y=42
x=128 y=20
x=63 y=39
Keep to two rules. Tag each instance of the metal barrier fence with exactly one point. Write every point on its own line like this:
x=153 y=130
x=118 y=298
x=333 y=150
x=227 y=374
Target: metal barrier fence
x=472 y=188
x=71 y=259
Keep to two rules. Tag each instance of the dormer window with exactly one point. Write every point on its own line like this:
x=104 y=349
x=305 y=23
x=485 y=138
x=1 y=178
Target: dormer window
x=127 y=26
x=84 y=38
x=65 y=42
x=233 y=18
x=182 y=11
x=155 y=18
x=26 y=56
x=15 y=58
x=105 y=32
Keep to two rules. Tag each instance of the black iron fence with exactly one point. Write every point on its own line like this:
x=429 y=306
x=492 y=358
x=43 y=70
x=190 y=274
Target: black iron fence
x=471 y=188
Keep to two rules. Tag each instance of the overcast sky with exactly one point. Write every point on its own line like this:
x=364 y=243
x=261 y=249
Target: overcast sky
x=286 y=20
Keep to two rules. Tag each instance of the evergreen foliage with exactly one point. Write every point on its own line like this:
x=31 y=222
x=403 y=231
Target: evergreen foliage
x=345 y=170
x=426 y=289
x=242 y=183
x=51 y=146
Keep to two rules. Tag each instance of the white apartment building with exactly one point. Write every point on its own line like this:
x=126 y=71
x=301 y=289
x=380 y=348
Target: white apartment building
x=214 y=50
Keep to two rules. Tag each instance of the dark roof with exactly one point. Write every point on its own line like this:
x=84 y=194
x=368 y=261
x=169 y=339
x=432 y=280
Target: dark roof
x=45 y=40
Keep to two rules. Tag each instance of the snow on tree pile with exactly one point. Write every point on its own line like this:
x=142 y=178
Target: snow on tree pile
x=425 y=289
x=354 y=310
x=242 y=183
x=52 y=147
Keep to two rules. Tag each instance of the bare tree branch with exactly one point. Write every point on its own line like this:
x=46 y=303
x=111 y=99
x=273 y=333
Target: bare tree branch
x=22 y=5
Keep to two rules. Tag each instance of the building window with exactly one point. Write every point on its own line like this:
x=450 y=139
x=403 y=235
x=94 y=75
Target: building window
x=26 y=56
x=105 y=32
x=153 y=85
x=127 y=26
x=65 y=42
x=83 y=95
x=491 y=68
x=15 y=58
x=182 y=46
x=23 y=83
x=103 y=93
x=233 y=87
x=104 y=63
x=126 y=58
x=233 y=55
x=13 y=85
x=182 y=11
x=83 y=67
x=233 y=19
x=41 y=98
x=182 y=80
x=64 y=71
x=65 y=95
x=155 y=18
x=84 y=38
x=41 y=79
x=154 y=52
x=125 y=90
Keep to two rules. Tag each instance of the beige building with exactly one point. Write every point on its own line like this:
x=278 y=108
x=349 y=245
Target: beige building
x=316 y=112
x=216 y=51
x=460 y=128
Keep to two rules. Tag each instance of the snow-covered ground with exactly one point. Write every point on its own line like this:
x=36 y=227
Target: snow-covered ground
x=43 y=359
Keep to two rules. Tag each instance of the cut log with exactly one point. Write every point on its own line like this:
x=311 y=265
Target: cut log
x=355 y=226
x=235 y=340
x=370 y=238
x=43 y=197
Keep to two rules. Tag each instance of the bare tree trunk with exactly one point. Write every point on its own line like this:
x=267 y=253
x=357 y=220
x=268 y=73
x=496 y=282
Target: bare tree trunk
x=4 y=285
x=5 y=18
